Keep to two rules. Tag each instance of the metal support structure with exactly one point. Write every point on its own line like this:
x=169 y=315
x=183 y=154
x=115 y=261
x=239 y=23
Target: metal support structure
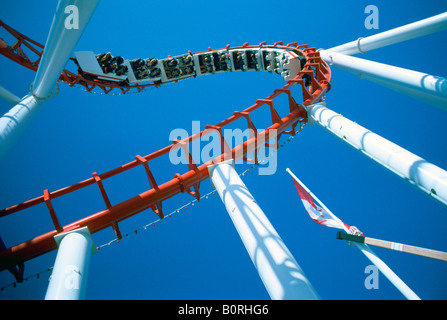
x=188 y=181
x=429 y=178
x=387 y=272
x=422 y=86
x=9 y=96
x=12 y=124
x=69 y=278
x=59 y=46
x=410 y=31
x=61 y=42
x=278 y=269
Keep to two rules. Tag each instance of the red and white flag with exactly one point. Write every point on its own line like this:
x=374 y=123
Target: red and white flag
x=317 y=214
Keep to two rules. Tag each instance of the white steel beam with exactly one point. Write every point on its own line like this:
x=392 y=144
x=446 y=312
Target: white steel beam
x=422 y=86
x=429 y=178
x=9 y=96
x=68 y=280
x=62 y=40
x=410 y=31
x=59 y=46
x=278 y=269
x=12 y=122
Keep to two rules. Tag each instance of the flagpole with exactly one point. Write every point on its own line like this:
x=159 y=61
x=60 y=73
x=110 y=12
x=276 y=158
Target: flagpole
x=424 y=252
x=382 y=266
x=279 y=271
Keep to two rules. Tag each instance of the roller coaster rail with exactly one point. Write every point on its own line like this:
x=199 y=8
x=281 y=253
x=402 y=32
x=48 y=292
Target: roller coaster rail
x=187 y=182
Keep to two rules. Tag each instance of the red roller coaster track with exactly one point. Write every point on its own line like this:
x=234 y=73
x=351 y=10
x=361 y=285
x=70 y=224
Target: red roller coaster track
x=189 y=182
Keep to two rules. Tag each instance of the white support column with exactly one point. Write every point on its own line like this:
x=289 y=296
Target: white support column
x=12 y=122
x=59 y=46
x=429 y=178
x=9 y=96
x=387 y=272
x=69 y=278
x=69 y=22
x=278 y=269
x=410 y=31
x=422 y=86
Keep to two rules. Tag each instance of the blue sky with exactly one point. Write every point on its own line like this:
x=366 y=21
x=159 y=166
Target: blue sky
x=197 y=253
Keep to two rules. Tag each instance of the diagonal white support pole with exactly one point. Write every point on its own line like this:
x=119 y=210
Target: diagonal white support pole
x=9 y=96
x=58 y=48
x=69 y=22
x=278 y=269
x=422 y=86
x=427 y=177
x=68 y=280
x=12 y=122
x=410 y=31
x=382 y=266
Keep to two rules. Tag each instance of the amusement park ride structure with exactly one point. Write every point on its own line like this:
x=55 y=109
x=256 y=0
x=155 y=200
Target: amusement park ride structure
x=301 y=66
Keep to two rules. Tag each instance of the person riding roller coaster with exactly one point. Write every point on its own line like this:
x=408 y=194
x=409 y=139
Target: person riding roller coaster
x=172 y=62
x=138 y=64
x=121 y=70
x=139 y=68
x=187 y=59
x=110 y=63
x=151 y=62
x=142 y=73
x=104 y=57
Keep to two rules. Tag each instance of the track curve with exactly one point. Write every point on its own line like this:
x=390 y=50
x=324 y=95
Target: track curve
x=313 y=78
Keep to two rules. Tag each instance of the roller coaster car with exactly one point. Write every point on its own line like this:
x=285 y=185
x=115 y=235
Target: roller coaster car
x=212 y=62
x=90 y=68
x=178 y=67
x=246 y=60
x=238 y=60
x=144 y=70
x=116 y=69
x=285 y=63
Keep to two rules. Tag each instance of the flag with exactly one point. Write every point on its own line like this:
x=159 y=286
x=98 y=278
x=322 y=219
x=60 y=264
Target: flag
x=318 y=214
